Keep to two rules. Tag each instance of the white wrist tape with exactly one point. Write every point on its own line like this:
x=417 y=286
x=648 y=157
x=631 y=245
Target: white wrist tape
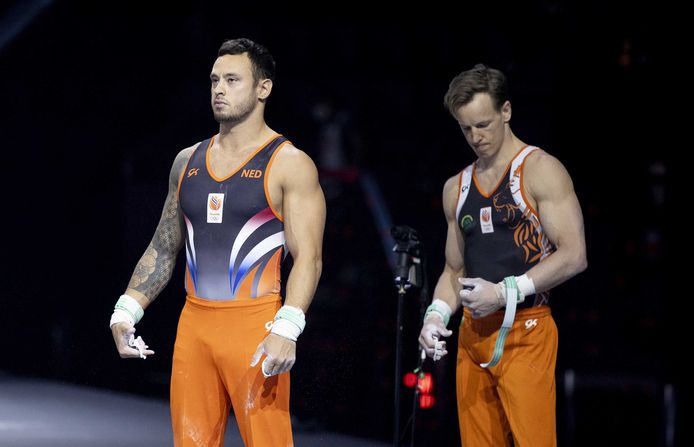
x=119 y=316
x=127 y=307
x=526 y=287
x=511 y=292
x=289 y=322
x=441 y=308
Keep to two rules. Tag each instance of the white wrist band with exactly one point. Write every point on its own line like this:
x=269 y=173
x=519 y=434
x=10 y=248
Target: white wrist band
x=128 y=310
x=289 y=322
x=526 y=286
x=286 y=329
x=441 y=308
x=119 y=316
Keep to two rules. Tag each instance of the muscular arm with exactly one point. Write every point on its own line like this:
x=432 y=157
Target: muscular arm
x=447 y=286
x=156 y=265
x=434 y=325
x=303 y=207
x=549 y=183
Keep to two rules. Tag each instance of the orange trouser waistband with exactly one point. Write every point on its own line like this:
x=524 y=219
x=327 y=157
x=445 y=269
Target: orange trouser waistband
x=497 y=318
x=267 y=299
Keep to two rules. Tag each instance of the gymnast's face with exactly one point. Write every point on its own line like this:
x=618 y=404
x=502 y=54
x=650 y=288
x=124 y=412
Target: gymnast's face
x=234 y=93
x=484 y=127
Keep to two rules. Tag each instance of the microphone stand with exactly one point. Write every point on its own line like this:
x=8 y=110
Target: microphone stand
x=408 y=273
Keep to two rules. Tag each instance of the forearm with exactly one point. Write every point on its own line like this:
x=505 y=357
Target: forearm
x=557 y=268
x=151 y=275
x=302 y=281
x=447 y=288
x=155 y=267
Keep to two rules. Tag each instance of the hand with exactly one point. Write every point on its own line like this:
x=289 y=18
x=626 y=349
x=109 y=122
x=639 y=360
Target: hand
x=430 y=337
x=280 y=355
x=480 y=296
x=123 y=333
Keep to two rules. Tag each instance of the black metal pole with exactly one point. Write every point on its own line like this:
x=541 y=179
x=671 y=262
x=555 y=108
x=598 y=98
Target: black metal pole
x=398 y=366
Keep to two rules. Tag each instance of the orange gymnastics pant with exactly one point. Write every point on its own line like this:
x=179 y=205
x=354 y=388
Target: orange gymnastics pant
x=211 y=372
x=512 y=403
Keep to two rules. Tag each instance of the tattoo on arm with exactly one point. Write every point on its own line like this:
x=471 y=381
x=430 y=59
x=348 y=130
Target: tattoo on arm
x=156 y=266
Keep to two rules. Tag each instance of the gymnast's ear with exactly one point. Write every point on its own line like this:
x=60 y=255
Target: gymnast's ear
x=264 y=89
x=506 y=111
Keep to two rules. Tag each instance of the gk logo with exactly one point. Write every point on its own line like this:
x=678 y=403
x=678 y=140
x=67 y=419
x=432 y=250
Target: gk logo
x=530 y=323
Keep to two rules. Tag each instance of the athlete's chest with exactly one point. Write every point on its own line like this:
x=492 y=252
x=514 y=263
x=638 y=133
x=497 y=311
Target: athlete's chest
x=501 y=188
x=484 y=213
x=223 y=166
x=488 y=182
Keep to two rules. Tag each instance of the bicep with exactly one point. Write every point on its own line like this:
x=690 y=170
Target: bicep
x=455 y=243
x=454 y=248
x=559 y=209
x=169 y=233
x=304 y=209
x=562 y=221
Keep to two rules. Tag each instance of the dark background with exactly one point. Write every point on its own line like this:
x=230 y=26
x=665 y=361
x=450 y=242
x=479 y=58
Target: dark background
x=97 y=101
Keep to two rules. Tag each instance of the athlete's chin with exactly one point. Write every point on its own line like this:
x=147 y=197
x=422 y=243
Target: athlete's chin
x=225 y=118
x=233 y=117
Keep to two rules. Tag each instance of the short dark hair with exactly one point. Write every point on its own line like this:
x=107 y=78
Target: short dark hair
x=479 y=79
x=262 y=63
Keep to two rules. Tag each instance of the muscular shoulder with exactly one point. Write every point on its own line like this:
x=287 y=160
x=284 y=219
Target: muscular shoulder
x=289 y=156
x=292 y=165
x=180 y=163
x=544 y=175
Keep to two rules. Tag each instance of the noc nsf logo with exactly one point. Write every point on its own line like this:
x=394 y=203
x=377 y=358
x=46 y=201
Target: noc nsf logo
x=215 y=207
x=467 y=223
x=215 y=203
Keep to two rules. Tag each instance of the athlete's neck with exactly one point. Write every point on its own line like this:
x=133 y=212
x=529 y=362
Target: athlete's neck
x=239 y=137
x=501 y=158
